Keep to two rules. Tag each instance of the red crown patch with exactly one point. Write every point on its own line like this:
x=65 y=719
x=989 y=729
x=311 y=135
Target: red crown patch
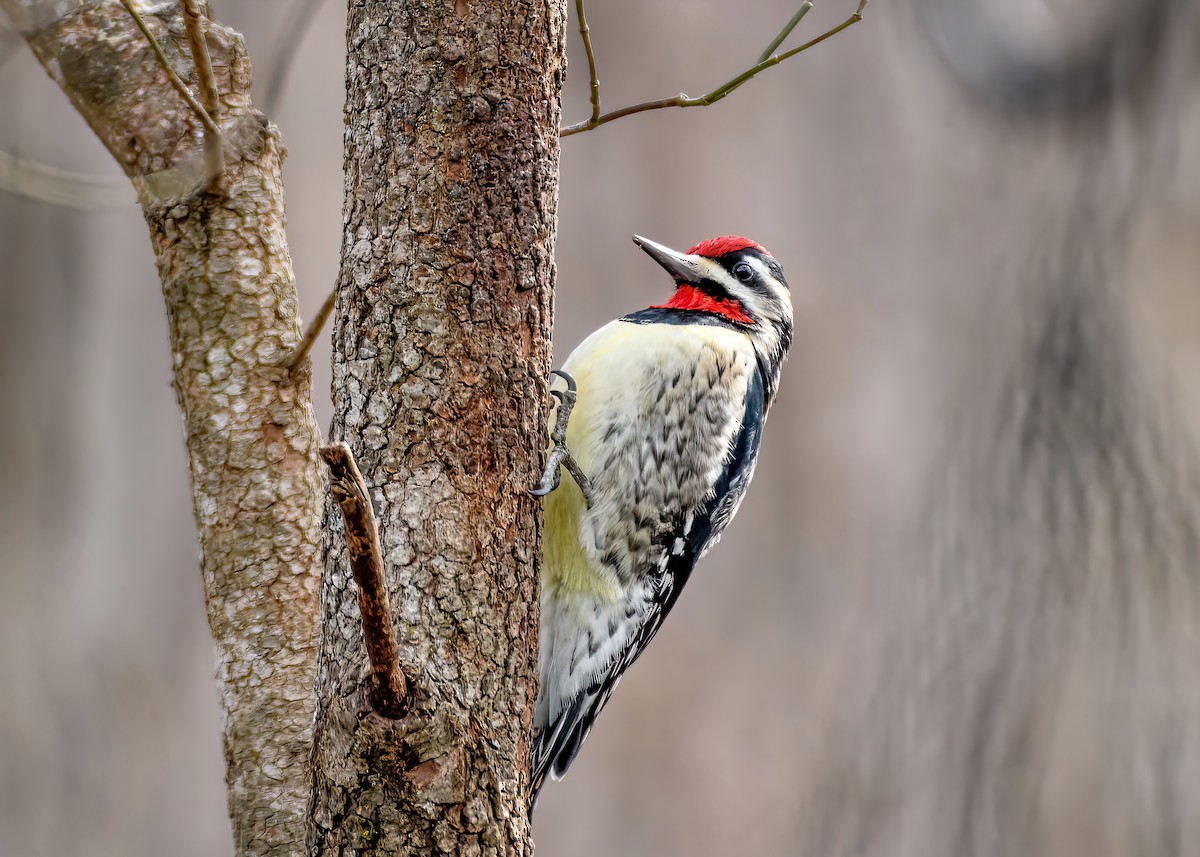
x=716 y=247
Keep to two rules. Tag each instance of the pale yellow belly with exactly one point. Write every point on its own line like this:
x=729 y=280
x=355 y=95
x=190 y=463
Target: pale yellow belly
x=618 y=370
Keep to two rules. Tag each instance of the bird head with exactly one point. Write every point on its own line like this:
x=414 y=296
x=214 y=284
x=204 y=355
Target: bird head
x=736 y=279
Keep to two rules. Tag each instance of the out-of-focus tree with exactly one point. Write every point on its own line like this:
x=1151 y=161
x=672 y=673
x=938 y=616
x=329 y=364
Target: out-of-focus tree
x=1029 y=682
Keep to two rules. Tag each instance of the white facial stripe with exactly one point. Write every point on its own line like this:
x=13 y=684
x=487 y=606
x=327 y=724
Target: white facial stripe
x=750 y=296
x=710 y=269
x=761 y=269
x=767 y=299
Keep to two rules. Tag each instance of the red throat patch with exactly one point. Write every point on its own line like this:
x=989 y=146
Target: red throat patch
x=691 y=298
x=716 y=247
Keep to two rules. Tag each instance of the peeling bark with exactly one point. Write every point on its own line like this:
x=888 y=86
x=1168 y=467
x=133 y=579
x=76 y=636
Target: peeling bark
x=251 y=436
x=441 y=353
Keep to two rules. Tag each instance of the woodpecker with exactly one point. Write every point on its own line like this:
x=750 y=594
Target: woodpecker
x=659 y=428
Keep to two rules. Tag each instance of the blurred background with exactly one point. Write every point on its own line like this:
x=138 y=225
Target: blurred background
x=913 y=175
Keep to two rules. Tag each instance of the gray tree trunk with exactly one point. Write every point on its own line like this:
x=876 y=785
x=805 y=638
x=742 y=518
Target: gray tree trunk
x=251 y=436
x=441 y=355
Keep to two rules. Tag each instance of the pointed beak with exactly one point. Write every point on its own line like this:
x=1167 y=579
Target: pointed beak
x=683 y=267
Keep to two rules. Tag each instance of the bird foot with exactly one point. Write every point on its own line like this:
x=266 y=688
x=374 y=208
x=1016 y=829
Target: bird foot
x=560 y=455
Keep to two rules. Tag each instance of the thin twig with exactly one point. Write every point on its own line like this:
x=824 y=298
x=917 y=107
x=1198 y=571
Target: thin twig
x=683 y=100
x=36 y=180
x=786 y=31
x=389 y=690
x=177 y=82
x=312 y=332
x=285 y=49
x=591 y=58
x=214 y=147
x=9 y=42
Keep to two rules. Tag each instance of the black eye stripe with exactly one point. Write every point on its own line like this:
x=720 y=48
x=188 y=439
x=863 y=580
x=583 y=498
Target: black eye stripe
x=713 y=288
x=732 y=260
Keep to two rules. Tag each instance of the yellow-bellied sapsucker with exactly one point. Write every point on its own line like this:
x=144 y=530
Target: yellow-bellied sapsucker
x=660 y=428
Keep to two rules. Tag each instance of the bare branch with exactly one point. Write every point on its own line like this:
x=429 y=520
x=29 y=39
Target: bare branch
x=45 y=183
x=786 y=31
x=683 y=100
x=388 y=688
x=214 y=148
x=210 y=127
x=258 y=486
x=9 y=42
x=314 y=330
x=285 y=49
x=591 y=58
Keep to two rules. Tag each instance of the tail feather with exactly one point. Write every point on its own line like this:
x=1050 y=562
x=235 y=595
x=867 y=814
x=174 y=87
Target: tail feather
x=556 y=746
x=548 y=747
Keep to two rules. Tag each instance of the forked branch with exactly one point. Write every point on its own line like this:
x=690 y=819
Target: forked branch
x=683 y=100
x=787 y=30
x=213 y=145
x=214 y=154
x=388 y=688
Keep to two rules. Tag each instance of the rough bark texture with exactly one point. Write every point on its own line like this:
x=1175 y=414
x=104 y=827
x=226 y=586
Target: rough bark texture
x=251 y=436
x=441 y=354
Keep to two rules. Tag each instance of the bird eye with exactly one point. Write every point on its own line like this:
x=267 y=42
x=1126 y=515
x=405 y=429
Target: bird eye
x=743 y=272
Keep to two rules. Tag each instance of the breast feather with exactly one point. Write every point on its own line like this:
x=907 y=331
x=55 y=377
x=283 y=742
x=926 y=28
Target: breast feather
x=618 y=371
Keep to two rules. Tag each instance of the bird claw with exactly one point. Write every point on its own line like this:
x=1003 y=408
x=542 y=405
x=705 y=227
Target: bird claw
x=543 y=489
x=551 y=476
x=560 y=455
x=566 y=376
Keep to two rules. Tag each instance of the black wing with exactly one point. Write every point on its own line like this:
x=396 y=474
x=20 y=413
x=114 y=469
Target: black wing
x=556 y=746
